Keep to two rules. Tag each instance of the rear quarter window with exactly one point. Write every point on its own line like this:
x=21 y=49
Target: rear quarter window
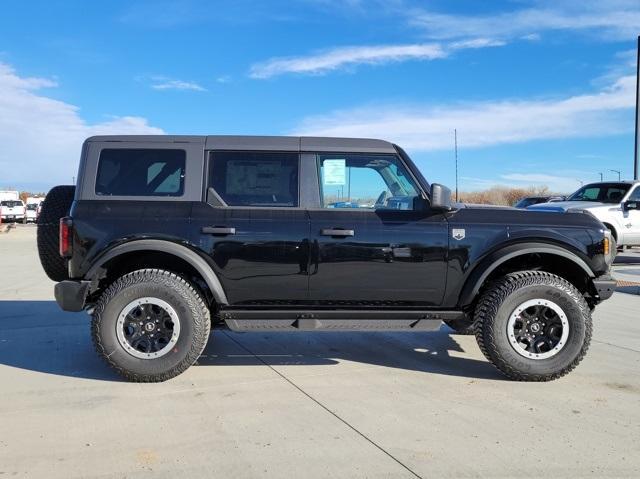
x=267 y=179
x=140 y=172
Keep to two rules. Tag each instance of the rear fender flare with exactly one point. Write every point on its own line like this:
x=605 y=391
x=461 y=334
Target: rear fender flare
x=180 y=251
x=488 y=265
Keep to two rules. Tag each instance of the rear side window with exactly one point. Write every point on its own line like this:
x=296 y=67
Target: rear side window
x=255 y=178
x=141 y=172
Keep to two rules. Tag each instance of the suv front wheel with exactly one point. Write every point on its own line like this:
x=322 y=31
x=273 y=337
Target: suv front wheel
x=533 y=326
x=150 y=325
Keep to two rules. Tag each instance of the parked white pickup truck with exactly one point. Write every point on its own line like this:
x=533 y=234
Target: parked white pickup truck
x=12 y=210
x=616 y=204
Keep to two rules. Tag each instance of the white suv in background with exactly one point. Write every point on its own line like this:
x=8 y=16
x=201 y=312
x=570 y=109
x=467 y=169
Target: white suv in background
x=615 y=203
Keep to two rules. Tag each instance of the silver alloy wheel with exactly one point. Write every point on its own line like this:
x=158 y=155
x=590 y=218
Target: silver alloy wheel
x=538 y=329
x=148 y=328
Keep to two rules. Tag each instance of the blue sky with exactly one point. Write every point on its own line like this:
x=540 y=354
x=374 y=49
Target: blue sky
x=541 y=92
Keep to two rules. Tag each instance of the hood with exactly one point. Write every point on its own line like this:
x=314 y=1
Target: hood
x=561 y=206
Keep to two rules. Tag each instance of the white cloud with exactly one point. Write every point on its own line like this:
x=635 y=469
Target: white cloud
x=556 y=183
x=343 y=57
x=41 y=137
x=163 y=83
x=483 y=124
x=614 y=19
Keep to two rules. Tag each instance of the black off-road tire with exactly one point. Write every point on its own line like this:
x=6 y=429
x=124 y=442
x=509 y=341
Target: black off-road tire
x=464 y=327
x=500 y=300
x=193 y=313
x=56 y=205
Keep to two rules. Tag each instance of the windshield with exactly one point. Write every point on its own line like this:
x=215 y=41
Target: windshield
x=32 y=206
x=602 y=192
x=11 y=203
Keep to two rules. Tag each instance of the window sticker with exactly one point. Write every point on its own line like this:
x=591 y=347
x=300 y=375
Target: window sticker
x=334 y=172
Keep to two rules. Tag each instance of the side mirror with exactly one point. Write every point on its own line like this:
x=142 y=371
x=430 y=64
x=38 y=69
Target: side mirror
x=631 y=205
x=440 y=197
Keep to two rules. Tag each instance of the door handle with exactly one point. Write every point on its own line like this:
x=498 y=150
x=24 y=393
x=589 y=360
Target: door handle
x=336 y=232
x=218 y=230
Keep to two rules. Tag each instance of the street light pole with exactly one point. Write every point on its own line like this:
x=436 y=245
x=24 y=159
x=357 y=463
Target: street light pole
x=616 y=171
x=636 y=150
x=601 y=178
x=455 y=142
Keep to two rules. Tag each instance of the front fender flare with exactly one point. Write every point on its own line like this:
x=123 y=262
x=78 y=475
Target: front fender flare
x=492 y=261
x=180 y=251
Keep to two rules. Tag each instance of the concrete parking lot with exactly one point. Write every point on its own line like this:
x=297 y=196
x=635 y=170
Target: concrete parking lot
x=307 y=405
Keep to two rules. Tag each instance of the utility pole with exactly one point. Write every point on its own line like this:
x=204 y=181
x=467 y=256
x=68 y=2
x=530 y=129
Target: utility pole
x=636 y=151
x=455 y=143
x=616 y=171
x=600 y=176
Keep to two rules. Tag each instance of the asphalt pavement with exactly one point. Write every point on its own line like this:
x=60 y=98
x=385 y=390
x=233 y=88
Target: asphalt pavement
x=344 y=405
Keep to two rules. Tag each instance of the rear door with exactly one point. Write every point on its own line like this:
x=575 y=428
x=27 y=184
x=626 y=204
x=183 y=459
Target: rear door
x=373 y=244
x=252 y=226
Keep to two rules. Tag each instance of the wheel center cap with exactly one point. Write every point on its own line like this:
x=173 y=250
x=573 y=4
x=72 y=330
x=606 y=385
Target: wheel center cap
x=149 y=326
x=535 y=327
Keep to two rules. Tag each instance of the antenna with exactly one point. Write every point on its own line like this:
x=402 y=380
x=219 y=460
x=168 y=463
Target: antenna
x=455 y=143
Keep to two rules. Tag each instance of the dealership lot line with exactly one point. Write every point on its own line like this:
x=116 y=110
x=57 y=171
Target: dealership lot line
x=305 y=404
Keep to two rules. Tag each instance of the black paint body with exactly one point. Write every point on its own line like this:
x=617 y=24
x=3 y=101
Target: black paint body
x=278 y=256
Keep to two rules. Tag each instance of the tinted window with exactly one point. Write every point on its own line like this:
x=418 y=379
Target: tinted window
x=141 y=172
x=12 y=203
x=365 y=181
x=635 y=195
x=605 y=193
x=255 y=179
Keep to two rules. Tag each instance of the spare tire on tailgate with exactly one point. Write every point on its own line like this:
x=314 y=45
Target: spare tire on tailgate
x=56 y=205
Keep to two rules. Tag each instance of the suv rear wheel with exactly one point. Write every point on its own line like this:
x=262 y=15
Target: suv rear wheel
x=533 y=326
x=150 y=325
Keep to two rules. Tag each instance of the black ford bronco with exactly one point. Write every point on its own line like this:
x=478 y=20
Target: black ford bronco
x=165 y=237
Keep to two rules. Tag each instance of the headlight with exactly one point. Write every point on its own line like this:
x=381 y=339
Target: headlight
x=607 y=247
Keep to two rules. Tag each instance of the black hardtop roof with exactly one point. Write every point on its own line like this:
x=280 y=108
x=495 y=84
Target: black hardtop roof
x=274 y=143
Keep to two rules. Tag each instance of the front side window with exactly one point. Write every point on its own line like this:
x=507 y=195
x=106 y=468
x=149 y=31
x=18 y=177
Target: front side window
x=635 y=195
x=268 y=179
x=365 y=181
x=141 y=172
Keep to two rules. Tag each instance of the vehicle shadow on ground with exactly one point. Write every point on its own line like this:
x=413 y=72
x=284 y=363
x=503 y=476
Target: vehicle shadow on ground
x=428 y=352
x=37 y=336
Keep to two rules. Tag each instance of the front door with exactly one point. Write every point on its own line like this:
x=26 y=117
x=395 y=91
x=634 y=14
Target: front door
x=372 y=242
x=253 y=229
x=631 y=220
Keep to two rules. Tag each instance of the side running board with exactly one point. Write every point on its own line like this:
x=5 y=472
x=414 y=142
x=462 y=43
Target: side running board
x=341 y=320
